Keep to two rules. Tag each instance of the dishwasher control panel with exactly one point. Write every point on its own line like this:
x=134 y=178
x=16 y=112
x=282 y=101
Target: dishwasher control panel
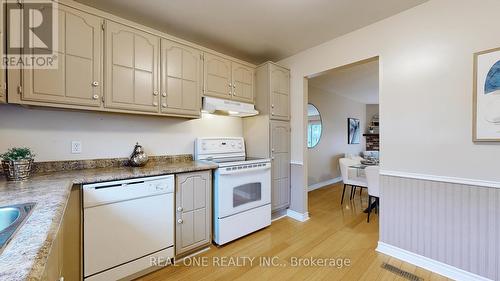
x=110 y=192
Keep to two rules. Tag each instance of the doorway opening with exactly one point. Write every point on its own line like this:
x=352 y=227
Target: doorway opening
x=343 y=136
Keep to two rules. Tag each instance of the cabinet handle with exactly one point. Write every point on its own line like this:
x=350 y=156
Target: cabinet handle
x=164 y=94
x=95 y=97
x=155 y=103
x=180 y=221
x=155 y=93
x=95 y=83
x=179 y=209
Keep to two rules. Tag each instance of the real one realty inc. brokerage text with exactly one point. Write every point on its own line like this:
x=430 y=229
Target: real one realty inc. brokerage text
x=272 y=261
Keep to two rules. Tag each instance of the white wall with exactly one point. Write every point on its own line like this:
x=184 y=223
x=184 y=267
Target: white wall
x=334 y=111
x=426 y=60
x=105 y=135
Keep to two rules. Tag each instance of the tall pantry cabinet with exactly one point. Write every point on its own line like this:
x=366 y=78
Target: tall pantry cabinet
x=268 y=134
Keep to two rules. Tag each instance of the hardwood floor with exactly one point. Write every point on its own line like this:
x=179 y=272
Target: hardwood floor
x=331 y=232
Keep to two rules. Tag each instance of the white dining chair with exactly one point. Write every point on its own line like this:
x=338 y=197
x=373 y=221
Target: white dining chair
x=354 y=182
x=373 y=179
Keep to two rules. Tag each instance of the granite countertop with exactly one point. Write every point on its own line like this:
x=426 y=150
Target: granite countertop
x=25 y=255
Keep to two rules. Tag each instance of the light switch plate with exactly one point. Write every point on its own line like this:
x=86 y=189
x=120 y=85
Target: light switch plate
x=76 y=147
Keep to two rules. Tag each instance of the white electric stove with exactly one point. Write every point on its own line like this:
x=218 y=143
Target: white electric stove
x=242 y=188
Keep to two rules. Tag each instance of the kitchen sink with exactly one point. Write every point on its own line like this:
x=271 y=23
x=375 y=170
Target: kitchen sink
x=11 y=219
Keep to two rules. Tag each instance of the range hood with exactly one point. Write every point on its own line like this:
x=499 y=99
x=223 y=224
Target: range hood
x=228 y=107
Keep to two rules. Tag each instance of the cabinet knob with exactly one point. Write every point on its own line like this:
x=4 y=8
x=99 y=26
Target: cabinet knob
x=164 y=94
x=179 y=209
x=95 y=83
x=272 y=113
x=180 y=221
x=95 y=97
x=230 y=85
x=155 y=93
x=155 y=103
x=272 y=105
x=163 y=105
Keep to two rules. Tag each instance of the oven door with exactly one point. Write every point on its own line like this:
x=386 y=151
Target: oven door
x=242 y=189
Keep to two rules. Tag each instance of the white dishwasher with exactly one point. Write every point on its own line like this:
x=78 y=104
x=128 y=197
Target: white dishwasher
x=126 y=225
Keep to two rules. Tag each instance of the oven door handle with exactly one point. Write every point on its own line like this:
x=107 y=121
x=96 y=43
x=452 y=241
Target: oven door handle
x=223 y=171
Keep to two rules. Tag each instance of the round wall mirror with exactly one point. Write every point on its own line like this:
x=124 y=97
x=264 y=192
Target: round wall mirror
x=314 y=126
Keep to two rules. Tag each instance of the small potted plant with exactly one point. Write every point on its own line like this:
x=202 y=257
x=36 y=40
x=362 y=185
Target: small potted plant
x=17 y=163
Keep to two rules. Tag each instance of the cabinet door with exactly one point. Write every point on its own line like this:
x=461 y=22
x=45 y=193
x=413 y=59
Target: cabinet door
x=77 y=79
x=180 y=79
x=243 y=82
x=131 y=69
x=217 y=72
x=280 y=93
x=193 y=211
x=280 y=155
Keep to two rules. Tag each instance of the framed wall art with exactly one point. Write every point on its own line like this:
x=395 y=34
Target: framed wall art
x=353 y=131
x=486 y=124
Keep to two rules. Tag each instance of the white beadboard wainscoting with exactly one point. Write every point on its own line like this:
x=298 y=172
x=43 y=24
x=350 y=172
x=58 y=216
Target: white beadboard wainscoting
x=457 y=225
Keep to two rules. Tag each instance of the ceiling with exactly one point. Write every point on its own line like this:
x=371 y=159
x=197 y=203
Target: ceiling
x=358 y=82
x=256 y=30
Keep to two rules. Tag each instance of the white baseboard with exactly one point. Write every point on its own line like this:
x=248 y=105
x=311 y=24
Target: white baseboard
x=429 y=264
x=297 y=216
x=324 y=183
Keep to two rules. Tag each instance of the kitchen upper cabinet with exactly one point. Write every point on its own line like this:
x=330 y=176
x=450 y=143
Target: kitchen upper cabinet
x=77 y=79
x=181 y=75
x=280 y=93
x=273 y=91
x=109 y=65
x=193 y=203
x=228 y=80
x=217 y=72
x=280 y=156
x=132 y=58
x=243 y=82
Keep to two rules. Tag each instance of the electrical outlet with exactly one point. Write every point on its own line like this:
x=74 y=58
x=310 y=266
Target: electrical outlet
x=76 y=147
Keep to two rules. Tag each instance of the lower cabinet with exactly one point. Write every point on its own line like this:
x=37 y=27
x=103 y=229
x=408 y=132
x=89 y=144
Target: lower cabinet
x=64 y=260
x=280 y=156
x=193 y=203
